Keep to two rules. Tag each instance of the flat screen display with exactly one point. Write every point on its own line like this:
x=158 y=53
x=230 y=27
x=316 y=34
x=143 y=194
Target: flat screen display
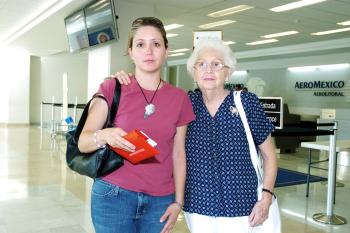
x=76 y=31
x=100 y=24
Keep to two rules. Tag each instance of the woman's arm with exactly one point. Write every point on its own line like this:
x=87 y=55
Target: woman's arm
x=93 y=136
x=267 y=149
x=179 y=164
x=179 y=174
x=261 y=209
x=96 y=119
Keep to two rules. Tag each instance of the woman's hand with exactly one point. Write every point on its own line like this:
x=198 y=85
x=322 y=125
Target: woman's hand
x=122 y=77
x=114 y=138
x=260 y=211
x=170 y=216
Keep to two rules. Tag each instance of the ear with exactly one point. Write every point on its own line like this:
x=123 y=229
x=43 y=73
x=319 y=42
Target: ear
x=167 y=52
x=130 y=53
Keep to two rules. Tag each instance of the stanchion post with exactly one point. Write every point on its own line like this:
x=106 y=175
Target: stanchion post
x=53 y=115
x=41 y=115
x=329 y=217
x=75 y=109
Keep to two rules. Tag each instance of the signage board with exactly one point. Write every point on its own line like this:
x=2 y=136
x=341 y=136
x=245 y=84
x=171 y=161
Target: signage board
x=273 y=107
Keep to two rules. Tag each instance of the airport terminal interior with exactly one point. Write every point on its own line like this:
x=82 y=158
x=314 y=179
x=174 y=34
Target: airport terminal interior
x=55 y=53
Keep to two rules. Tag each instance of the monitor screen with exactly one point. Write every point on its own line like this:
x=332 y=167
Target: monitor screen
x=100 y=23
x=76 y=31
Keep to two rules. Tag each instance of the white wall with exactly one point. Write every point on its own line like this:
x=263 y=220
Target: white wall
x=14 y=86
x=185 y=81
x=35 y=90
x=98 y=68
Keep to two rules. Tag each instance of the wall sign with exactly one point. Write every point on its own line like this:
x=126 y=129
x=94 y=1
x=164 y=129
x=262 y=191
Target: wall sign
x=322 y=88
x=208 y=35
x=273 y=107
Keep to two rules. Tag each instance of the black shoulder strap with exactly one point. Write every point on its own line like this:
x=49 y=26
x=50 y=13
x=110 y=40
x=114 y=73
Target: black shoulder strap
x=84 y=116
x=115 y=103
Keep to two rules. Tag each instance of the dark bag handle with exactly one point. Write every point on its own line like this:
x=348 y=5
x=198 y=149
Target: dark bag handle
x=115 y=104
x=111 y=111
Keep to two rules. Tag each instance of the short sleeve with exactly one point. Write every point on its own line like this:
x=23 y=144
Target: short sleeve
x=107 y=90
x=260 y=126
x=186 y=111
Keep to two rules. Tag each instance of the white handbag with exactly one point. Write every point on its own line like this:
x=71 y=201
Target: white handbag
x=273 y=223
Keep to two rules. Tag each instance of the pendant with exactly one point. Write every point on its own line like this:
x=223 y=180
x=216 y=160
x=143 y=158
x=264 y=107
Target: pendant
x=149 y=110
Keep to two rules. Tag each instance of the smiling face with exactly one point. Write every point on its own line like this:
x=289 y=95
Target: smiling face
x=208 y=79
x=148 y=49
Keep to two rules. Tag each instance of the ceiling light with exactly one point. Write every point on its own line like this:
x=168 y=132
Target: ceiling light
x=334 y=66
x=302 y=68
x=294 y=5
x=229 y=42
x=179 y=50
x=261 y=42
x=176 y=54
x=168 y=35
x=345 y=23
x=280 y=34
x=37 y=17
x=216 y=24
x=230 y=11
x=331 y=31
x=240 y=72
x=172 y=26
x=320 y=67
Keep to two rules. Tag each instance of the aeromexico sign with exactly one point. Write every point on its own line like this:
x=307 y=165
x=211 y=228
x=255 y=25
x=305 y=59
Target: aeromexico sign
x=322 y=88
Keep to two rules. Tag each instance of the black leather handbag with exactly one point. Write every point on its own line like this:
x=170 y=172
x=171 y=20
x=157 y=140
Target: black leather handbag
x=103 y=160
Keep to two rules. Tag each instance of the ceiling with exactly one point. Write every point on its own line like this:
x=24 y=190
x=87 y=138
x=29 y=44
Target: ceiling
x=49 y=37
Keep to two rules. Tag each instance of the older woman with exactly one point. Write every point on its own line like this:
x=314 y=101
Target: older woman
x=221 y=182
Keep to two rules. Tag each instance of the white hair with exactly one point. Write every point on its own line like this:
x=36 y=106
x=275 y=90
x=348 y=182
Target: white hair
x=215 y=45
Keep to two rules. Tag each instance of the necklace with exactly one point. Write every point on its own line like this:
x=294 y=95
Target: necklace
x=150 y=108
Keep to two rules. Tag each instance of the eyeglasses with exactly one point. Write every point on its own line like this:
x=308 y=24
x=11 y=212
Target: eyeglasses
x=214 y=66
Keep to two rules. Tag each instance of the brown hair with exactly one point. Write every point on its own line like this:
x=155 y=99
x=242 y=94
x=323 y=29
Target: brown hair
x=146 y=21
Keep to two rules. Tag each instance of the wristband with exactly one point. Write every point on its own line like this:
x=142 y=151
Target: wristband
x=178 y=204
x=269 y=191
x=95 y=141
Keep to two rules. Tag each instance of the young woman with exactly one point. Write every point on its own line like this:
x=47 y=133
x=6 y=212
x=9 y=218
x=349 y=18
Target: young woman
x=146 y=197
x=221 y=184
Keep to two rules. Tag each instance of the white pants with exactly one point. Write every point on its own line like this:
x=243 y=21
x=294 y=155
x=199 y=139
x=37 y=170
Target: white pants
x=198 y=223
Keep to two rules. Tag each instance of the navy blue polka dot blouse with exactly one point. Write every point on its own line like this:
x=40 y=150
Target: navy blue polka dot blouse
x=221 y=180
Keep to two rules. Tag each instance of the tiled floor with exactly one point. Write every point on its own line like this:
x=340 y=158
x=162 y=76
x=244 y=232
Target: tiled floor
x=38 y=194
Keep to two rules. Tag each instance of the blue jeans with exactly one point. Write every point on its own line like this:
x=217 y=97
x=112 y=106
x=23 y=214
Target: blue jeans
x=116 y=210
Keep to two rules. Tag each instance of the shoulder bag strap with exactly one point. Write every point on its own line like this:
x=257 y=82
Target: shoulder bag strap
x=115 y=103
x=84 y=116
x=253 y=153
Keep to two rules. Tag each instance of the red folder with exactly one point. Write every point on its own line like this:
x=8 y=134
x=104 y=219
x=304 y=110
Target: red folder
x=144 y=147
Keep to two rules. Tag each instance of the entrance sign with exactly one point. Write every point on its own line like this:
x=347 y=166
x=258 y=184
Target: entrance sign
x=273 y=107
